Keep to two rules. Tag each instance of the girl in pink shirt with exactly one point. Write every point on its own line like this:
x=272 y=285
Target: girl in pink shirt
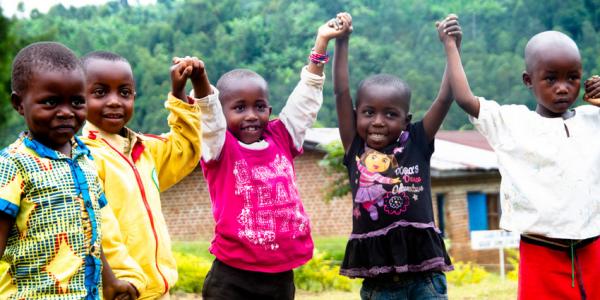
x=261 y=231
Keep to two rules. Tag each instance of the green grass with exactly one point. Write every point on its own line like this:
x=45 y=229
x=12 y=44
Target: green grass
x=492 y=287
x=333 y=246
x=197 y=248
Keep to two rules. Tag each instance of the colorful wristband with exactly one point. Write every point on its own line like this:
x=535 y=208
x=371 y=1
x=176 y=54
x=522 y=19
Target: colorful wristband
x=318 y=58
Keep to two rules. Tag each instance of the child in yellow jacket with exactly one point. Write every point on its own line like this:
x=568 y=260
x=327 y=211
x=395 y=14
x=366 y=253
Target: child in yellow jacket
x=134 y=168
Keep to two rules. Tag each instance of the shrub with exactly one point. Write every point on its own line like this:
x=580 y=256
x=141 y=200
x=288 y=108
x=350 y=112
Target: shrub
x=320 y=274
x=513 y=260
x=192 y=271
x=466 y=273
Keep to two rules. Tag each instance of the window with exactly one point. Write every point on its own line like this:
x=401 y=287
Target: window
x=484 y=211
x=440 y=212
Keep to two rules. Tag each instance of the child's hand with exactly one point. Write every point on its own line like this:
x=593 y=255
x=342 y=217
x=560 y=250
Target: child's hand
x=199 y=78
x=449 y=30
x=181 y=70
x=119 y=290
x=592 y=90
x=338 y=27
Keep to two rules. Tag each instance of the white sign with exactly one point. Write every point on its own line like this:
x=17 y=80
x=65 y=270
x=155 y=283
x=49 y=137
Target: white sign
x=494 y=239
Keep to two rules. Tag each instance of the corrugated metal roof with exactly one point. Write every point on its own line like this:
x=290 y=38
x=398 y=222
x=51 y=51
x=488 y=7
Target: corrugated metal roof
x=454 y=150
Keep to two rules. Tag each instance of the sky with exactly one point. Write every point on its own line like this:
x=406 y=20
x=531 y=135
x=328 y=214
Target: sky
x=9 y=7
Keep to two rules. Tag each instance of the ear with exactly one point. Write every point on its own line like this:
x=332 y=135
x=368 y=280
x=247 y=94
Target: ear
x=408 y=119
x=527 y=80
x=17 y=102
x=270 y=110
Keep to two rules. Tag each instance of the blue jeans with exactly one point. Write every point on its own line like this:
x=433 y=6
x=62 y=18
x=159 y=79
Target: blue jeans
x=418 y=286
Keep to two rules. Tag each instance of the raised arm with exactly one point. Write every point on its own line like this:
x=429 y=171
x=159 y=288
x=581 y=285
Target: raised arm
x=334 y=28
x=434 y=117
x=341 y=85
x=456 y=74
x=302 y=106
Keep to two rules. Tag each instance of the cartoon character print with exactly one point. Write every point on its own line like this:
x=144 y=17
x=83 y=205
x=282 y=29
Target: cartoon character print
x=370 y=187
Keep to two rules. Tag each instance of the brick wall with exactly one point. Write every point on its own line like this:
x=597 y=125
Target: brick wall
x=456 y=215
x=186 y=207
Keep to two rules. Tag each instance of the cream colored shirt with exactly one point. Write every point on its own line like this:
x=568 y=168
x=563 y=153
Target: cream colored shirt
x=550 y=169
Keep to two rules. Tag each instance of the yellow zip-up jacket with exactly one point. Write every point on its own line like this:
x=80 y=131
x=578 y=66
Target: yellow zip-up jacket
x=134 y=170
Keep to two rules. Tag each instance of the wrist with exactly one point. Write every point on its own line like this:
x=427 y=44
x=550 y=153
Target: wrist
x=321 y=45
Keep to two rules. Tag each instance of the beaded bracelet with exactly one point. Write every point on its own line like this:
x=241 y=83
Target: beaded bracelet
x=318 y=58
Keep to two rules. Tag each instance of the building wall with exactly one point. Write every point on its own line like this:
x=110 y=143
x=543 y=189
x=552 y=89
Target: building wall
x=456 y=215
x=187 y=210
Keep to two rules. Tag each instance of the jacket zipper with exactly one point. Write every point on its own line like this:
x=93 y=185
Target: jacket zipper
x=143 y=192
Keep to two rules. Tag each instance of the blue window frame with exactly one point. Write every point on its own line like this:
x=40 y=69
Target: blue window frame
x=478 y=213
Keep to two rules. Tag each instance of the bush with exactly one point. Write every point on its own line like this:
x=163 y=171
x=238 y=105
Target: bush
x=192 y=271
x=466 y=273
x=513 y=260
x=320 y=274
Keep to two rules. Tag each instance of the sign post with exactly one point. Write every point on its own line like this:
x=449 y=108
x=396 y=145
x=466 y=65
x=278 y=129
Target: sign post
x=494 y=239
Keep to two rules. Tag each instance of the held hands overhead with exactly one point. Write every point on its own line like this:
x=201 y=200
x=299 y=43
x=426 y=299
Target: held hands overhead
x=449 y=30
x=338 y=27
x=185 y=68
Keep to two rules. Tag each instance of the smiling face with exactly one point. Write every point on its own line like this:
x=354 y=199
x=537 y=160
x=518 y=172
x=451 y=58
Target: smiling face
x=246 y=108
x=377 y=162
x=555 y=82
x=381 y=115
x=53 y=107
x=110 y=92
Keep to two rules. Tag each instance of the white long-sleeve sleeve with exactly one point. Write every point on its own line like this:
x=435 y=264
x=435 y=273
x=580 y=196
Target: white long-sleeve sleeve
x=214 y=126
x=302 y=106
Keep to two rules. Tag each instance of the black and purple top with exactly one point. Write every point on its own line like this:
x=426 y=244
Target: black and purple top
x=393 y=228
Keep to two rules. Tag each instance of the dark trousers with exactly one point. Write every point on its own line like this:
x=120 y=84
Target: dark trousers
x=229 y=283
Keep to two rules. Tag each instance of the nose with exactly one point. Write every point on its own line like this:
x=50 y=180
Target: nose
x=65 y=112
x=113 y=100
x=251 y=115
x=378 y=120
x=562 y=88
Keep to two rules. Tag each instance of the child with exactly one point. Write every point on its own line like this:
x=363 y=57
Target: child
x=50 y=197
x=549 y=162
x=394 y=244
x=134 y=168
x=262 y=231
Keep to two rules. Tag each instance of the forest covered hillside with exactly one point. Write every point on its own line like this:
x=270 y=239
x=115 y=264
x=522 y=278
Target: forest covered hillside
x=274 y=38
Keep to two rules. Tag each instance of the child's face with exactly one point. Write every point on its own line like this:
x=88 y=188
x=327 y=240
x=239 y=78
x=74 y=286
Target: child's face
x=110 y=93
x=377 y=162
x=53 y=107
x=555 y=81
x=246 y=108
x=380 y=116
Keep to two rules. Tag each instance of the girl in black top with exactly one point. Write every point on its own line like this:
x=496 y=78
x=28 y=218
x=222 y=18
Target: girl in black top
x=394 y=244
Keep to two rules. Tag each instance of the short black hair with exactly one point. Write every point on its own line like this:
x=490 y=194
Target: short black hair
x=547 y=41
x=103 y=55
x=386 y=80
x=230 y=78
x=41 y=56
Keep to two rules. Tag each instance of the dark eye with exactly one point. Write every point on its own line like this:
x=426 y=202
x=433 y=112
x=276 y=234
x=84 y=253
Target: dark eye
x=367 y=112
x=391 y=114
x=50 y=101
x=574 y=77
x=550 y=79
x=126 y=93
x=78 y=101
x=239 y=108
x=261 y=107
x=99 y=92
